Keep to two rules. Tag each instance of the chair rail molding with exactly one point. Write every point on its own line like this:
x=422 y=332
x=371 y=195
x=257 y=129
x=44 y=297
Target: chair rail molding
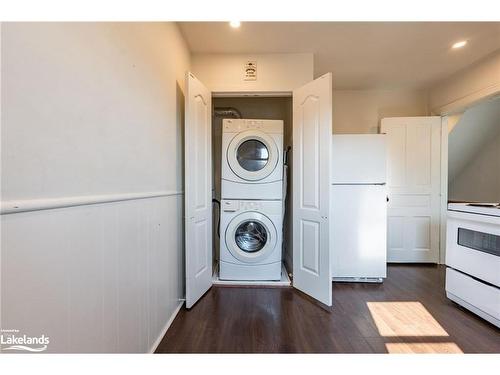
x=15 y=206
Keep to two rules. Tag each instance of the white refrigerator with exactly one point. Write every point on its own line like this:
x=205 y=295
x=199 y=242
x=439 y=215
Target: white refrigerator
x=359 y=208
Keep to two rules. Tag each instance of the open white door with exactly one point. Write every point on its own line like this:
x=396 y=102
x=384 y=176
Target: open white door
x=312 y=138
x=414 y=184
x=198 y=189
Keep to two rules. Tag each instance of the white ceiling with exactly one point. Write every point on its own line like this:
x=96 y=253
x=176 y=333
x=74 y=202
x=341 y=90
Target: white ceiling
x=360 y=54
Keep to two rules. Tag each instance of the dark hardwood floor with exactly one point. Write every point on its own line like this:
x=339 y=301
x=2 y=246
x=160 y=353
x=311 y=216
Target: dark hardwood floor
x=409 y=312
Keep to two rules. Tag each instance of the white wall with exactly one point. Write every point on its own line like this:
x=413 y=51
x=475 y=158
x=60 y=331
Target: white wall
x=277 y=72
x=474 y=154
x=354 y=111
x=92 y=111
x=466 y=87
x=360 y=111
x=480 y=180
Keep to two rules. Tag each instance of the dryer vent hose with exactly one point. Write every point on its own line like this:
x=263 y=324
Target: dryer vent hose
x=227 y=112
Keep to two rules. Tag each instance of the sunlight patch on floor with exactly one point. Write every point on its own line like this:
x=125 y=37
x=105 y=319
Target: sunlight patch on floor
x=422 y=347
x=412 y=326
x=404 y=319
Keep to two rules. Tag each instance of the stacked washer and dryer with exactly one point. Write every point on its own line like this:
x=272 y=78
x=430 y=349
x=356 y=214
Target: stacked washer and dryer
x=251 y=199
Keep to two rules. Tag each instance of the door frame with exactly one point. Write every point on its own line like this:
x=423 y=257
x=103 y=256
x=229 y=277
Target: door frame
x=444 y=190
x=265 y=94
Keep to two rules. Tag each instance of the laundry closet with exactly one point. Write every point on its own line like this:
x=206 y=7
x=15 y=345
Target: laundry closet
x=272 y=122
x=277 y=152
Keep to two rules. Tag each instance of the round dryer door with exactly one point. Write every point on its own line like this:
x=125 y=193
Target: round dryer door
x=252 y=155
x=251 y=237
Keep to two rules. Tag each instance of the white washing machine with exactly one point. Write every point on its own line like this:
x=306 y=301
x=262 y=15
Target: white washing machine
x=252 y=159
x=250 y=244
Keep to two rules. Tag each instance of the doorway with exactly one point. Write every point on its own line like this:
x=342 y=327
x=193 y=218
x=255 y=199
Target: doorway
x=253 y=107
x=414 y=184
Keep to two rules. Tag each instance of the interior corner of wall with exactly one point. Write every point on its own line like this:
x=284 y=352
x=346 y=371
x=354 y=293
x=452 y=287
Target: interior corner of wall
x=453 y=121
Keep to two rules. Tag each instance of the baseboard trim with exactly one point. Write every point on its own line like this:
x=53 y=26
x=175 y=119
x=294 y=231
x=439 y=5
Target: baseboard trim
x=166 y=327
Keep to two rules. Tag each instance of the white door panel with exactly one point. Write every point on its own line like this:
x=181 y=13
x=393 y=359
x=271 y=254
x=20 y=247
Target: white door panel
x=312 y=129
x=413 y=178
x=198 y=190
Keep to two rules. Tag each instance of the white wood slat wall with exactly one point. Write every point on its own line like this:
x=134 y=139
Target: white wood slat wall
x=95 y=278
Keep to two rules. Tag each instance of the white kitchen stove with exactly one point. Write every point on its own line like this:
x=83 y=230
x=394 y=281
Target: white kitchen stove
x=473 y=258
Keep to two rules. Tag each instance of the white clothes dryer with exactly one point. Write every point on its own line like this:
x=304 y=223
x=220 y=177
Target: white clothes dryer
x=250 y=240
x=252 y=159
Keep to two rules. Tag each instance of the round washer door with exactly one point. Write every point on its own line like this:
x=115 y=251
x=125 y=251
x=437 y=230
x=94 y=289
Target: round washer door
x=252 y=155
x=251 y=237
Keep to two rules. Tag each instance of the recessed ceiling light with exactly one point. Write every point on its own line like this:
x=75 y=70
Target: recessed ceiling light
x=459 y=44
x=235 y=24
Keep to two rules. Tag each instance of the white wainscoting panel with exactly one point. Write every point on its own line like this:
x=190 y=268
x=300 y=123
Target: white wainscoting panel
x=94 y=278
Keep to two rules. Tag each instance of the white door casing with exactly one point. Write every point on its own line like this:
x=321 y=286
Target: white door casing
x=198 y=189
x=445 y=122
x=414 y=183
x=312 y=132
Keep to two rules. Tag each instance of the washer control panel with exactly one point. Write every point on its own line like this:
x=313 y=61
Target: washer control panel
x=235 y=205
x=239 y=125
x=230 y=206
x=250 y=205
x=243 y=124
x=253 y=124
